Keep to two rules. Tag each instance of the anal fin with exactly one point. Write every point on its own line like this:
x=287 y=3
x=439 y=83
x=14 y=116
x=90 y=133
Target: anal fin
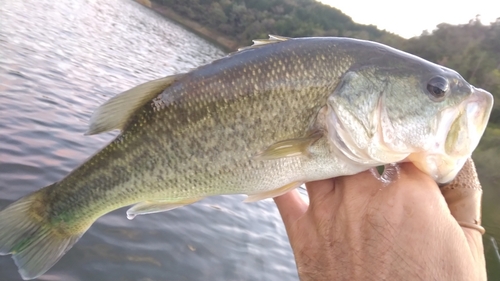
x=272 y=193
x=157 y=206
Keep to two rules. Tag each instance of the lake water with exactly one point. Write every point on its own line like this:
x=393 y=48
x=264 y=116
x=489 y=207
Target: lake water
x=59 y=60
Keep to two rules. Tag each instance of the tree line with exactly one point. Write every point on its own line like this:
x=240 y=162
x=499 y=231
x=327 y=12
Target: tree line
x=245 y=20
x=472 y=49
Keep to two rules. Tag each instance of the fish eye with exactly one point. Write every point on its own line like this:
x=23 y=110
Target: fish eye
x=437 y=88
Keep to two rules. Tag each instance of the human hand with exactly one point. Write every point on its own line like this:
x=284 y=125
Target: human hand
x=355 y=228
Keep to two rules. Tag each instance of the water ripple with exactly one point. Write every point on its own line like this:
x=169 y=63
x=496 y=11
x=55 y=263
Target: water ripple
x=59 y=60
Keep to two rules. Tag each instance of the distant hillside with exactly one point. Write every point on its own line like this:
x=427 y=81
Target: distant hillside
x=473 y=49
x=244 y=20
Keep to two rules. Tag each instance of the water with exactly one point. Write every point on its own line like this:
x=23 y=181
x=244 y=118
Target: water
x=59 y=60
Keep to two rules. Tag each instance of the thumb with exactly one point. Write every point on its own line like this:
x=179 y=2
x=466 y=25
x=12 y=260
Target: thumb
x=463 y=196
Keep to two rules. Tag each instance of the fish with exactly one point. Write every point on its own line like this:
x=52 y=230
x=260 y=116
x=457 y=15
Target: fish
x=260 y=121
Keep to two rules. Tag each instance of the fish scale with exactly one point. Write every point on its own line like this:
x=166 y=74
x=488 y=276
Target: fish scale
x=259 y=122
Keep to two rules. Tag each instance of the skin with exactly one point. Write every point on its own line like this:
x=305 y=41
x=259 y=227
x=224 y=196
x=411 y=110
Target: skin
x=355 y=228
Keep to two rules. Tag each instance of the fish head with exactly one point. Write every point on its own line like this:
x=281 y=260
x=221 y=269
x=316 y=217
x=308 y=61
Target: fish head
x=402 y=108
x=457 y=132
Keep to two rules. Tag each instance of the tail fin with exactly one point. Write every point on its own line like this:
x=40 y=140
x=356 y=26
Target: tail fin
x=35 y=245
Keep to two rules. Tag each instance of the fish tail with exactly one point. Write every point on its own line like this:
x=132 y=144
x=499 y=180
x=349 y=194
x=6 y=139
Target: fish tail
x=27 y=234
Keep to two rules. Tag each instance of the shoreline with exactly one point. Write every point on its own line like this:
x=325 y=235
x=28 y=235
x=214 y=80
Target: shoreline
x=215 y=37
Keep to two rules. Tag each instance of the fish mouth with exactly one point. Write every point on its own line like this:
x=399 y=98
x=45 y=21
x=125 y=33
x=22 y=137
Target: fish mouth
x=458 y=134
x=468 y=128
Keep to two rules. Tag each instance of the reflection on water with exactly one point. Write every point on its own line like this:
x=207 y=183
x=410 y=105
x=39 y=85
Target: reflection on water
x=59 y=60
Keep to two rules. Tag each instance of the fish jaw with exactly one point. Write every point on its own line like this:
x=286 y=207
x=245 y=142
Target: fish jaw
x=458 y=133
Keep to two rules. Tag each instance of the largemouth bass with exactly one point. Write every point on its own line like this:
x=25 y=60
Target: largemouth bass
x=260 y=122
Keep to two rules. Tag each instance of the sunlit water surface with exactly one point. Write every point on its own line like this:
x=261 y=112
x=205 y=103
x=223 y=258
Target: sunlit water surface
x=59 y=60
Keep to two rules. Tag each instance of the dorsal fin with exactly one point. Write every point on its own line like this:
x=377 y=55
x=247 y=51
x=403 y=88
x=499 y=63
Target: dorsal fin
x=260 y=42
x=115 y=112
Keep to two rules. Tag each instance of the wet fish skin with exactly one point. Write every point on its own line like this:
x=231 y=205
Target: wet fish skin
x=258 y=122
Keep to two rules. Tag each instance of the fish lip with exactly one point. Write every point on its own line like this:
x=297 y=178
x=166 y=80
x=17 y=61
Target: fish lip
x=472 y=115
x=476 y=109
x=473 y=112
x=484 y=100
x=463 y=126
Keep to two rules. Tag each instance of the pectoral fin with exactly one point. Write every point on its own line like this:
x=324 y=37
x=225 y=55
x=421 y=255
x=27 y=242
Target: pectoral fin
x=115 y=112
x=289 y=148
x=157 y=206
x=272 y=193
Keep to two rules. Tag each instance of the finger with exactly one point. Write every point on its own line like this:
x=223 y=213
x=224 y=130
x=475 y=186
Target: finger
x=463 y=196
x=291 y=207
x=475 y=241
x=410 y=172
x=360 y=189
x=359 y=186
x=318 y=190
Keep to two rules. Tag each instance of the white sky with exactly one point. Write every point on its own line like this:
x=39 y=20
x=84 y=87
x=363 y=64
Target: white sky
x=410 y=18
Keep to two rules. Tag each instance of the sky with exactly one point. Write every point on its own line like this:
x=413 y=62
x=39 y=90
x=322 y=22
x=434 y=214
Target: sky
x=410 y=18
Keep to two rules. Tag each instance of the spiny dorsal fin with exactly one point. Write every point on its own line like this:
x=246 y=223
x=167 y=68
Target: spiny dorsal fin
x=115 y=112
x=260 y=42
